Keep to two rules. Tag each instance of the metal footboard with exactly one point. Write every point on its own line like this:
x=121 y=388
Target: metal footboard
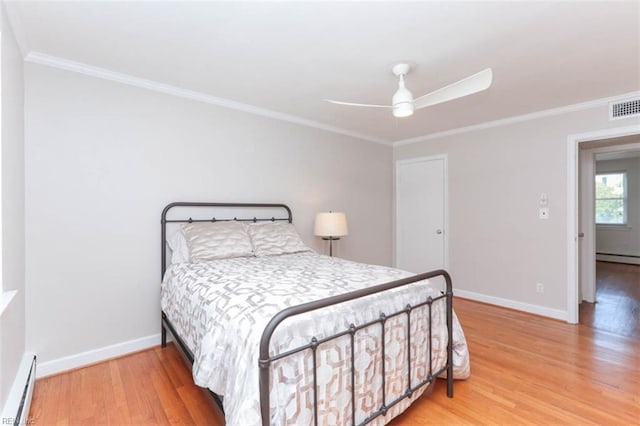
x=266 y=359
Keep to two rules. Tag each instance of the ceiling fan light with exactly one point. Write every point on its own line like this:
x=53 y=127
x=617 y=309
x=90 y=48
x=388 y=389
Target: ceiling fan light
x=403 y=109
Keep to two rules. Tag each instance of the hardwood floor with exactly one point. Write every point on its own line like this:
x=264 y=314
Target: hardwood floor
x=153 y=387
x=524 y=370
x=617 y=309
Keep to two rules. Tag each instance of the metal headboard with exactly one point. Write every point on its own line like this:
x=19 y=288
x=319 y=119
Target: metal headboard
x=240 y=206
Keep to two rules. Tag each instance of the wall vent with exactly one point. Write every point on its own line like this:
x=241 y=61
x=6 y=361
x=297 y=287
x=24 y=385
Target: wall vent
x=624 y=109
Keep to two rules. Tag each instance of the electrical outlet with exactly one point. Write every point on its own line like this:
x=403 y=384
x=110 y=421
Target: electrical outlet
x=539 y=288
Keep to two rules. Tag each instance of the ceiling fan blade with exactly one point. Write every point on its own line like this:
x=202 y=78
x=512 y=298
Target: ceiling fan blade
x=360 y=105
x=467 y=86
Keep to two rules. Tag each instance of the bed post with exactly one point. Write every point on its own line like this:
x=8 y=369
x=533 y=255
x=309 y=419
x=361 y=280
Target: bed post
x=449 y=299
x=163 y=331
x=163 y=239
x=163 y=266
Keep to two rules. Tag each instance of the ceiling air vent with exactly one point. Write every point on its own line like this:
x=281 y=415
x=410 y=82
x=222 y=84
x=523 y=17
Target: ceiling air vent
x=624 y=109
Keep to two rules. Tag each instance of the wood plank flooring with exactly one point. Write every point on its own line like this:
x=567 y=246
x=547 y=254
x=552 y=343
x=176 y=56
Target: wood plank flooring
x=617 y=307
x=524 y=370
x=152 y=387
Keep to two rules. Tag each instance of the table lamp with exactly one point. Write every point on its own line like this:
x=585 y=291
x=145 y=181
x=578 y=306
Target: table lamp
x=331 y=226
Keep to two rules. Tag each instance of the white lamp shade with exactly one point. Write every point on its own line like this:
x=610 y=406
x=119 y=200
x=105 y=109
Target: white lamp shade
x=332 y=224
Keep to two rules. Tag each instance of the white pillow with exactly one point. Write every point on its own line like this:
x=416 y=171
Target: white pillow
x=179 y=248
x=273 y=238
x=217 y=240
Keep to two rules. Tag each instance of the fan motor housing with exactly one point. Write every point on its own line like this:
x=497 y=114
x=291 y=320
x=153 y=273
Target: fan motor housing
x=401 y=69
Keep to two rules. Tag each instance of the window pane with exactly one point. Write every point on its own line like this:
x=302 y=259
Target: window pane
x=610 y=211
x=610 y=185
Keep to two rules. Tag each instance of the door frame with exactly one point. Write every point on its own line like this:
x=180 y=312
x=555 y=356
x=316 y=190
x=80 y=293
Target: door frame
x=445 y=213
x=573 y=148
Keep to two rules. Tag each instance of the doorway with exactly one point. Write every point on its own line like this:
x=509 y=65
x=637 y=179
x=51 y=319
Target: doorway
x=581 y=230
x=611 y=295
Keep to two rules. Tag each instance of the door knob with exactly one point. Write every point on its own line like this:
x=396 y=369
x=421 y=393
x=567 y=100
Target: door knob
x=581 y=234
x=439 y=231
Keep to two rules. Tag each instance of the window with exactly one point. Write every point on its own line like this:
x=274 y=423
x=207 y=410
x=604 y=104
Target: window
x=611 y=198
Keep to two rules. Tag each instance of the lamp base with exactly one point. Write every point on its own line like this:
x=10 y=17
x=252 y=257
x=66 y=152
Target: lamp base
x=331 y=240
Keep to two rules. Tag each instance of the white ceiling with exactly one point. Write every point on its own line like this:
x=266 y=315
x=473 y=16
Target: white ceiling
x=288 y=56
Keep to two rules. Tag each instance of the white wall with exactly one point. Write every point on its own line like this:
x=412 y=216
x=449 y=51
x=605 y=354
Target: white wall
x=103 y=159
x=12 y=322
x=622 y=240
x=499 y=249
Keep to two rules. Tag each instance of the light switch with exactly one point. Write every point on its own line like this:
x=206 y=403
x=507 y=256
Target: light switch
x=544 y=199
x=543 y=213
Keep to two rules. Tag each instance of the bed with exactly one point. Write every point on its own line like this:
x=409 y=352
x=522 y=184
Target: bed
x=282 y=335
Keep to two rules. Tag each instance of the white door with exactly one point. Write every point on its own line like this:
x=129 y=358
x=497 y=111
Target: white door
x=586 y=227
x=421 y=238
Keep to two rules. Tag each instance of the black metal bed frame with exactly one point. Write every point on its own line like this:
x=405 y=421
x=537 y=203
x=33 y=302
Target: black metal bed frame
x=266 y=359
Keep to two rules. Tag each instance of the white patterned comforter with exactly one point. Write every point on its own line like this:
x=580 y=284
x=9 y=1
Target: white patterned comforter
x=220 y=308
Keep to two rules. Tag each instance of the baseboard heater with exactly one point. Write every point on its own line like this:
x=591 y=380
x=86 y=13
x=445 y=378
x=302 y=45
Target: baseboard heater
x=27 y=394
x=16 y=410
x=633 y=259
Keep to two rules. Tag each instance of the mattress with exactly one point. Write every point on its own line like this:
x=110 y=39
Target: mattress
x=220 y=308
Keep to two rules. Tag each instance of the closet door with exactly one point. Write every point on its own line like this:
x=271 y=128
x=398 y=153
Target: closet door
x=421 y=240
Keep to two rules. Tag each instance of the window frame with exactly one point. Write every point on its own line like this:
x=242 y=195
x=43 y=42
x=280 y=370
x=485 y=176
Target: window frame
x=624 y=198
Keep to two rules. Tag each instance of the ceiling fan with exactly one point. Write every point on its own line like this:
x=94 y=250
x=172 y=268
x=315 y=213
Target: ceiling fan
x=403 y=103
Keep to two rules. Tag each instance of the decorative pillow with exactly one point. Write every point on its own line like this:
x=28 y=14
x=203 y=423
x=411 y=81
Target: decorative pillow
x=273 y=238
x=179 y=248
x=217 y=240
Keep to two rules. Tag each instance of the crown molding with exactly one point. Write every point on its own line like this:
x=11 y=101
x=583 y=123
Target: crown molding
x=106 y=74
x=517 y=119
x=13 y=16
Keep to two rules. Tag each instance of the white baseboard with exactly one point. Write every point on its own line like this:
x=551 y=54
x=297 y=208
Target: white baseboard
x=512 y=304
x=14 y=399
x=96 y=355
x=618 y=259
